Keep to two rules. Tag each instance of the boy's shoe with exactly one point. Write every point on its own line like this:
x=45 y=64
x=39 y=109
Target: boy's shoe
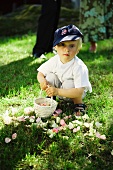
x=79 y=109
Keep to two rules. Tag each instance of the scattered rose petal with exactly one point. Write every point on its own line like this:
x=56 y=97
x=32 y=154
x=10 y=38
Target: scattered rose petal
x=7 y=112
x=55 y=130
x=51 y=135
x=7 y=120
x=65 y=137
x=103 y=137
x=26 y=117
x=28 y=110
x=32 y=119
x=43 y=124
x=7 y=140
x=58 y=111
x=38 y=119
x=98 y=135
x=55 y=115
x=14 y=110
x=86 y=124
x=71 y=126
x=54 y=125
x=85 y=117
x=62 y=128
x=112 y=152
x=14 y=135
x=77 y=122
x=98 y=125
x=92 y=131
x=57 y=119
x=67 y=117
x=21 y=119
x=76 y=129
x=62 y=122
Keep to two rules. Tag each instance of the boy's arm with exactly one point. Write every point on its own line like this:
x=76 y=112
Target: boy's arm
x=69 y=93
x=41 y=79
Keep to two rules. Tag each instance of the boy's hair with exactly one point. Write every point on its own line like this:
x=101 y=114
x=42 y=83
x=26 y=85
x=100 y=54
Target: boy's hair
x=66 y=33
x=79 y=43
x=79 y=46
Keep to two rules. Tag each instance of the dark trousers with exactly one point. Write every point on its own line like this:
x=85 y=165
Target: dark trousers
x=47 y=24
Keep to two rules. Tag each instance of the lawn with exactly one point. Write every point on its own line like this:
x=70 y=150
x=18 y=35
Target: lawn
x=62 y=141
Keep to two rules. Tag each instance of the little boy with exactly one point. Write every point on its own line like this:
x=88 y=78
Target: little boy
x=65 y=75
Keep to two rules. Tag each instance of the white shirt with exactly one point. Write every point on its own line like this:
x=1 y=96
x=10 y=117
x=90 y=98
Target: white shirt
x=75 y=70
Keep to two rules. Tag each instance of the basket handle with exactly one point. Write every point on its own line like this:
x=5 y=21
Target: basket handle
x=40 y=95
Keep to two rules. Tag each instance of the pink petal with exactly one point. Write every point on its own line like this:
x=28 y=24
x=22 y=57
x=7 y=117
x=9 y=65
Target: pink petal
x=66 y=117
x=14 y=135
x=38 y=119
x=28 y=110
x=62 y=122
x=103 y=137
x=32 y=117
x=55 y=130
x=7 y=140
x=21 y=119
x=58 y=111
x=98 y=135
x=55 y=115
x=7 y=120
x=76 y=129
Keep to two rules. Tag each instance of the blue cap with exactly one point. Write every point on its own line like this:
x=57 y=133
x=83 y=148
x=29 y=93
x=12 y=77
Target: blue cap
x=66 y=33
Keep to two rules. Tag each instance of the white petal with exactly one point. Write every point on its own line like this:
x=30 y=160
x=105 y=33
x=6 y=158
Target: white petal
x=71 y=126
x=112 y=152
x=98 y=125
x=7 y=140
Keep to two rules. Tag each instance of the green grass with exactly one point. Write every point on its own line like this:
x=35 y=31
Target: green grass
x=34 y=148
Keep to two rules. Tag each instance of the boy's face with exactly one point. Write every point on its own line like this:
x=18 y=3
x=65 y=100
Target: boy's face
x=67 y=50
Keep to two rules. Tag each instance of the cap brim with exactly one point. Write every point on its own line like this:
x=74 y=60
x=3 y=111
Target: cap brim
x=66 y=38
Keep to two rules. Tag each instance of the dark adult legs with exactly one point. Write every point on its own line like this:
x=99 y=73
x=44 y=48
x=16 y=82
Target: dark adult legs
x=47 y=25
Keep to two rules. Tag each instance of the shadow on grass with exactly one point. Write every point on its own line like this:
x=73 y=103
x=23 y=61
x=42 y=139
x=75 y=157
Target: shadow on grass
x=18 y=74
x=21 y=73
x=53 y=154
x=27 y=142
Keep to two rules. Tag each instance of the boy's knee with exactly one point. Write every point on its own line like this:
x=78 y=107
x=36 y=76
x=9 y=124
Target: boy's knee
x=50 y=77
x=53 y=80
x=68 y=84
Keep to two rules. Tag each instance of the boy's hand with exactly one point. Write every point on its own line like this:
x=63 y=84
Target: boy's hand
x=51 y=91
x=43 y=82
x=43 y=85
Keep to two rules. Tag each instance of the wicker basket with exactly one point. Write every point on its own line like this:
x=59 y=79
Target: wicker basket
x=44 y=111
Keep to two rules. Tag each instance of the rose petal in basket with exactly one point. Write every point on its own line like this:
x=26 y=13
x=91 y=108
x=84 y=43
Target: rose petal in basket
x=47 y=110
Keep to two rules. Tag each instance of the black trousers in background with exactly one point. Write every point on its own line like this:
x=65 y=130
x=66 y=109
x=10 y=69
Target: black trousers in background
x=47 y=24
